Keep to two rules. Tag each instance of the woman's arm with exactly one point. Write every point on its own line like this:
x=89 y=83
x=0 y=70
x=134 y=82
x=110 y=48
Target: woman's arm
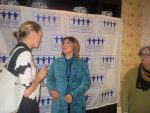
x=40 y=76
x=51 y=82
x=125 y=90
x=85 y=83
x=26 y=72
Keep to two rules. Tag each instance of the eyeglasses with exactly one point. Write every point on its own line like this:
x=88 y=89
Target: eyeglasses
x=145 y=55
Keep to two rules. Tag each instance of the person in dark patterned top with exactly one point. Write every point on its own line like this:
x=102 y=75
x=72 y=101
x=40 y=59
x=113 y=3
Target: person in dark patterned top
x=22 y=65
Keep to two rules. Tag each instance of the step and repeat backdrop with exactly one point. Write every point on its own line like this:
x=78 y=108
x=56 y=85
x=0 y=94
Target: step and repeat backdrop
x=100 y=39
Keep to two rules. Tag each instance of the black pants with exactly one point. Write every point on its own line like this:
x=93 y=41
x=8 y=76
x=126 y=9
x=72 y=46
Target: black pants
x=28 y=106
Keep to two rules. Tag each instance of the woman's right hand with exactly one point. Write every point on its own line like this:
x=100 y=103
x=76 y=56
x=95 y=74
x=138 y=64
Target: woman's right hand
x=54 y=94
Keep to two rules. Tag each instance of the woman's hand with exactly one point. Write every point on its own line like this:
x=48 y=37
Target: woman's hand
x=40 y=76
x=68 y=98
x=42 y=73
x=54 y=94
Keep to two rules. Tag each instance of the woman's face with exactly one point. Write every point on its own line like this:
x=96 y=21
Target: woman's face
x=67 y=48
x=37 y=38
x=145 y=57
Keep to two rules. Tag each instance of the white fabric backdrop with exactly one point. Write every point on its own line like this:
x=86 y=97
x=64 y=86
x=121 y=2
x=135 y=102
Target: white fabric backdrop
x=99 y=36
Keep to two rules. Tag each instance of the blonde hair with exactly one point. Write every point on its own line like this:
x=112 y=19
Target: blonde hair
x=25 y=29
x=75 y=46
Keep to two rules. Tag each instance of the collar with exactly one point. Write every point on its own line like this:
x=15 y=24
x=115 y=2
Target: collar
x=24 y=45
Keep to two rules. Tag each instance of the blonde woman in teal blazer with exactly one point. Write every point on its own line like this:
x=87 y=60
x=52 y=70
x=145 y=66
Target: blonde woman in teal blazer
x=68 y=79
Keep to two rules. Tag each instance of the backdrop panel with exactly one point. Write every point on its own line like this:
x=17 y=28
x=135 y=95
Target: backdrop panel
x=99 y=37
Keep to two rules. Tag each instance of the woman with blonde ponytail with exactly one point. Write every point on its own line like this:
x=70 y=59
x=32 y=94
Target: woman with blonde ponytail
x=22 y=65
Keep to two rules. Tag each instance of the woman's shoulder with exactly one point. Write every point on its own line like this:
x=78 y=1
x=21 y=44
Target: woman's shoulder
x=133 y=70
x=58 y=59
x=132 y=73
x=21 y=53
x=81 y=61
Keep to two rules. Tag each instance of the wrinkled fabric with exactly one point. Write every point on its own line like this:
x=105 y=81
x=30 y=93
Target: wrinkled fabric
x=79 y=83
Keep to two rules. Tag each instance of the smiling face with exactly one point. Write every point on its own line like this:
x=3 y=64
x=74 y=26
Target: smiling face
x=67 y=48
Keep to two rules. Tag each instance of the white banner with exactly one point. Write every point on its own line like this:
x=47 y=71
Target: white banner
x=99 y=37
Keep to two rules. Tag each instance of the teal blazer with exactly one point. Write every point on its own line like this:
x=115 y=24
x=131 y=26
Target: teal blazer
x=79 y=82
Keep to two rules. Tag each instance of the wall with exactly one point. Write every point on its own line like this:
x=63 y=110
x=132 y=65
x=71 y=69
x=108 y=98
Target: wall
x=131 y=17
x=136 y=33
x=145 y=22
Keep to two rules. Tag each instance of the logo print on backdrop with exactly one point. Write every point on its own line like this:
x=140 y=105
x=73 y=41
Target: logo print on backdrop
x=88 y=99
x=81 y=21
x=108 y=25
x=57 y=42
x=45 y=100
x=81 y=24
x=107 y=61
x=9 y=17
x=108 y=95
x=47 y=21
x=39 y=60
x=97 y=80
x=87 y=59
x=44 y=60
x=95 y=43
x=3 y=58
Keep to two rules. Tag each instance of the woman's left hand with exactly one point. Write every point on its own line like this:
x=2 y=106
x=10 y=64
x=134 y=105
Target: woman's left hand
x=68 y=98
